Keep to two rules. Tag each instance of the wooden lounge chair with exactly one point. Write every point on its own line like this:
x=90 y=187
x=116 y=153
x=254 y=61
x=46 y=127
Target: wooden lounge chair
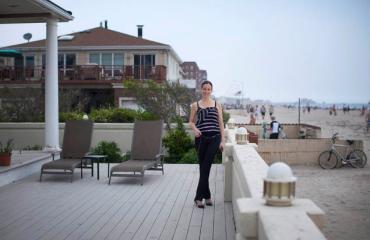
x=76 y=144
x=146 y=151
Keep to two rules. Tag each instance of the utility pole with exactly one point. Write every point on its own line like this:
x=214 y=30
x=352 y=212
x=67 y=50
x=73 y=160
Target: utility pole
x=299 y=113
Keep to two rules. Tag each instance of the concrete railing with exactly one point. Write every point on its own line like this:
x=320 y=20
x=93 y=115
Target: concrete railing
x=244 y=173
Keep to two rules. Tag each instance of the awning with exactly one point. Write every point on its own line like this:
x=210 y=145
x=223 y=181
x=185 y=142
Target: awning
x=10 y=53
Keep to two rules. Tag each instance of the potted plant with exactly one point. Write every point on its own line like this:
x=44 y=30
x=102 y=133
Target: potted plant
x=6 y=152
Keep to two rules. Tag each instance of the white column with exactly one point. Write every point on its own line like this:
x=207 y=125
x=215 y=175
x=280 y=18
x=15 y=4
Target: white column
x=51 y=88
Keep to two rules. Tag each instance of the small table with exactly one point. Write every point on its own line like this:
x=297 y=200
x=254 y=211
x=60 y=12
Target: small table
x=96 y=158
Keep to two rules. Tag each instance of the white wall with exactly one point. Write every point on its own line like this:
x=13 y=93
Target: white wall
x=173 y=68
x=29 y=134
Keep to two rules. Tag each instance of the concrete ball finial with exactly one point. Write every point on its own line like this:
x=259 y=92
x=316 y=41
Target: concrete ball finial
x=279 y=185
x=241 y=130
x=280 y=172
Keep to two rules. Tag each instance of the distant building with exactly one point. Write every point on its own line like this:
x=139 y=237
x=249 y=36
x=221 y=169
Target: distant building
x=191 y=72
x=202 y=76
x=96 y=61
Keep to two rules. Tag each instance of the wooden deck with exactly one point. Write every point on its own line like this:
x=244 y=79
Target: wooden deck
x=162 y=208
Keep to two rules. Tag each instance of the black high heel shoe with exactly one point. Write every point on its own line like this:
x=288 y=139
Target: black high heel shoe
x=199 y=203
x=209 y=202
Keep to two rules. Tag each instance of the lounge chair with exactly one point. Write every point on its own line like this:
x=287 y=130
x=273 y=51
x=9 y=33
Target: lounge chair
x=146 y=151
x=76 y=144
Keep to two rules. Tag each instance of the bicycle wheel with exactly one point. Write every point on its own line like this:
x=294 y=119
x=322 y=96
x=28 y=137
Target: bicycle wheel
x=328 y=159
x=357 y=159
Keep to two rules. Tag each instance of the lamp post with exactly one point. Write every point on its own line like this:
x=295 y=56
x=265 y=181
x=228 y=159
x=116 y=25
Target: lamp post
x=241 y=135
x=279 y=185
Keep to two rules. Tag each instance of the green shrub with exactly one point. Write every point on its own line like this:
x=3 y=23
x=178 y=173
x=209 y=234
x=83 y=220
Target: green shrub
x=102 y=115
x=110 y=149
x=190 y=157
x=120 y=115
x=7 y=147
x=64 y=116
x=225 y=116
x=146 y=116
x=34 y=147
x=177 y=142
x=218 y=158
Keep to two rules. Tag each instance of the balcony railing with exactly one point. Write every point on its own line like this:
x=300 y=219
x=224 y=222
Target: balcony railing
x=84 y=72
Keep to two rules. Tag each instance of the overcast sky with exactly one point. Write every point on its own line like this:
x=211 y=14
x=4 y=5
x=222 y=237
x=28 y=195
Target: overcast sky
x=273 y=50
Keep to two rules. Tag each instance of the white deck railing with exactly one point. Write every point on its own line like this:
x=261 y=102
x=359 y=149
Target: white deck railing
x=244 y=173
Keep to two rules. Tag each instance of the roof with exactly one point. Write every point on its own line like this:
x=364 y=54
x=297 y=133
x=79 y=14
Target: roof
x=189 y=63
x=32 y=11
x=94 y=37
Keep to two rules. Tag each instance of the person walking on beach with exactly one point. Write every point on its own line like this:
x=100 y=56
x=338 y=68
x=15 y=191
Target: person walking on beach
x=263 y=111
x=271 y=110
x=252 y=118
x=334 y=110
x=367 y=117
x=275 y=128
x=207 y=124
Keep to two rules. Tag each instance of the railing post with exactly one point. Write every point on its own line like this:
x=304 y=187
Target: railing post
x=227 y=161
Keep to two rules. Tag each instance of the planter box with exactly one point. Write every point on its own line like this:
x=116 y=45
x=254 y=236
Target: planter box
x=5 y=159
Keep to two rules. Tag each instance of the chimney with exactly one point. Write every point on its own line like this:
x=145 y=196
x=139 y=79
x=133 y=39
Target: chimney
x=106 y=24
x=140 y=31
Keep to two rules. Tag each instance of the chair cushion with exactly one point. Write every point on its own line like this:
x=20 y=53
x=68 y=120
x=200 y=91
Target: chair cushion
x=133 y=166
x=68 y=164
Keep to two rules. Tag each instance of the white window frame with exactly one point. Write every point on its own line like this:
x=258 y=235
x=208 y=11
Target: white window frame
x=122 y=99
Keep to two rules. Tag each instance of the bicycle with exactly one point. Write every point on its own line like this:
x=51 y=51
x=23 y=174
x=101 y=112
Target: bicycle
x=328 y=159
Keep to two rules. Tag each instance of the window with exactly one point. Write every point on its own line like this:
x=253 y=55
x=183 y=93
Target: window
x=117 y=64
x=30 y=61
x=144 y=66
x=30 y=64
x=94 y=58
x=60 y=60
x=67 y=63
x=111 y=62
x=66 y=60
x=43 y=60
x=106 y=59
x=118 y=59
x=128 y=103
x=70 y=60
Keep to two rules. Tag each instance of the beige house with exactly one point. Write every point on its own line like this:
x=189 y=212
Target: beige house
x=97 y=61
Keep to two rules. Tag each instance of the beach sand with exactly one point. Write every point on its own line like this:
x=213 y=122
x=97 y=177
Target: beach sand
x=344 y=193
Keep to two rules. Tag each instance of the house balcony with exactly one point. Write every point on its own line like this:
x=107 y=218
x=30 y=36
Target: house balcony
x=83 y=74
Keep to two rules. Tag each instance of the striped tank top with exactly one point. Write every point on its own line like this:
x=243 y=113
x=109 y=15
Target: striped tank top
x=207 y=120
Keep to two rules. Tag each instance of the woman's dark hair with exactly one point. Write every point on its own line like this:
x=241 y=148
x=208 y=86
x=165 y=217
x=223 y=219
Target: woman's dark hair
x=206 y=82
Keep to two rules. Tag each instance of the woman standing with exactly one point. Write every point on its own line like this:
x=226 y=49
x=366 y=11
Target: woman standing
x=208 y=127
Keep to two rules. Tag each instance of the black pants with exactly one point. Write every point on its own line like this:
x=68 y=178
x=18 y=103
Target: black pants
x=274 y=135
x=207 y=148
